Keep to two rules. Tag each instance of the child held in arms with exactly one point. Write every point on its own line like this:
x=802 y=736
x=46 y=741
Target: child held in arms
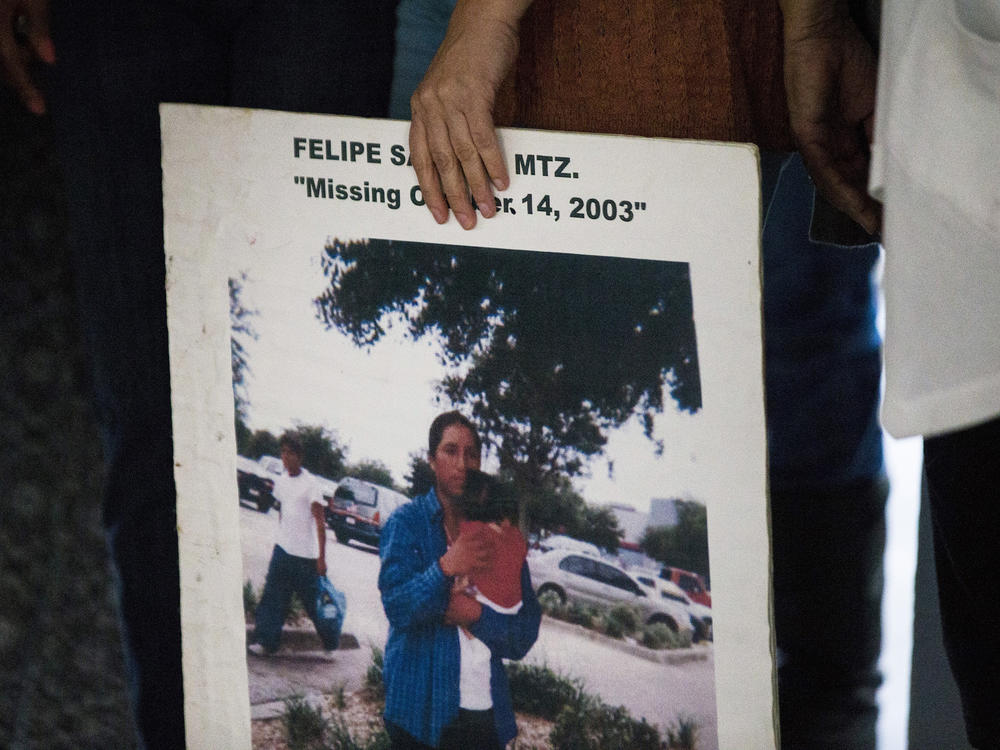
x=488 y=503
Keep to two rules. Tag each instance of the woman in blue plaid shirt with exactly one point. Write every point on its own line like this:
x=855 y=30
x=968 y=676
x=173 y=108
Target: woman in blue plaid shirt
x=445 y=682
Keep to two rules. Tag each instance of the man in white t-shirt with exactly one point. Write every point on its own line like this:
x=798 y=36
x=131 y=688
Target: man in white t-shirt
x=299 y=555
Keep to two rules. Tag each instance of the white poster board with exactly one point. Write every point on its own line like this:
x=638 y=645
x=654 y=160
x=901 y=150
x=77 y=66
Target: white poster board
x=260 y=196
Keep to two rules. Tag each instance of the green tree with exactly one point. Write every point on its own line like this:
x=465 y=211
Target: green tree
x=598 y=526
x=261 y=443
x=546 y=352
x=322 y=452
x=552 y=505
x=420 y=477
x=243 y=435
x=684 y=545
x=372 y=471
x=241 y=330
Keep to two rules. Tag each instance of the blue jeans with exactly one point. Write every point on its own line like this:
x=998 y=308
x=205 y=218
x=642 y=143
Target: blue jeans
x=117 y=60
x=828 y=492
x=286 y=574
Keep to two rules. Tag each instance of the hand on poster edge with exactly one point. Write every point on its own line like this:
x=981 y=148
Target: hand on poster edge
x=453 y=141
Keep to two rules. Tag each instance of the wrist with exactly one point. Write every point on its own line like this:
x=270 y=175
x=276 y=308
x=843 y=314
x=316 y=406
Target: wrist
x=812 y=18
x=508 y=12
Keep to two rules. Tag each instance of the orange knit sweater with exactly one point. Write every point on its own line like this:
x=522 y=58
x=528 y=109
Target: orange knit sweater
x=706 y=69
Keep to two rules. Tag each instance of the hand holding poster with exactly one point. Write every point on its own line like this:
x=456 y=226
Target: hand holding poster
x=603 y=332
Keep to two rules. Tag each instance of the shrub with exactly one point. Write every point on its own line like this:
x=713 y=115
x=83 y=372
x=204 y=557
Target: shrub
x=539 y=691
x=581 y=614
x=590 y=724
x=684 y=736
x=374 y=677
x=684 y=640
x=551 y=604
x=572 y=730
x=340 y=696
x=658 y=635
x=616 y=622
x=614 y=727
x=613 y=628
x=304 y=724
x=308 y=729
x=249 y=599
x=628 y=616
x=380 y=741
x=340 y=738
x=582 y=721
x=621 y=620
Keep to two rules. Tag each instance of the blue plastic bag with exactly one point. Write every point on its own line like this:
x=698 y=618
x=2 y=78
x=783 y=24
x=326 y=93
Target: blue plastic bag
x=331 y=606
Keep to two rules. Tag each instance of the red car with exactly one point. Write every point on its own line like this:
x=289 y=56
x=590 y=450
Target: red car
x=692 y=583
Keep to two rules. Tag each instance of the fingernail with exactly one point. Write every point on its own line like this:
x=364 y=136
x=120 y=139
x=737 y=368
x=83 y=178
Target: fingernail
x=467 y=220
x=500 y=184
x=440 y=214
x=487 y=209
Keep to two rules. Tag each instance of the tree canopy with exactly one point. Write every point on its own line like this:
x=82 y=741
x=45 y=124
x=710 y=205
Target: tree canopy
x=258 y=443
x=420 y=477
x=684 y=545
x=241 y=330
x=546 y=351
x=372 y=471
x=322 y=452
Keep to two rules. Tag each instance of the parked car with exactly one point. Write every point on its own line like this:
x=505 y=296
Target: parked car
x=701 y=616
x=360 y=509
x=272 y=465
x=561 y=541
x=573 y=576
x=692 y=583
x=254 y=484
x=273 y=468
x=328 y=487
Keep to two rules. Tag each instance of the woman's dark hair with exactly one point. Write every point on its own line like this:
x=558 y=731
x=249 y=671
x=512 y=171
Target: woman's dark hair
x=442 y=422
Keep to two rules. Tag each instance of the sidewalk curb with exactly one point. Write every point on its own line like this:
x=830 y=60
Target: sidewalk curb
x=305 y=639
x=673 y=657
x=276 y=709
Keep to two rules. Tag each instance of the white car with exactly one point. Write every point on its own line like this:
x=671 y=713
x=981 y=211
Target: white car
x=581 y=577
x=701 y=616
x=272 y=465
x=563 y=542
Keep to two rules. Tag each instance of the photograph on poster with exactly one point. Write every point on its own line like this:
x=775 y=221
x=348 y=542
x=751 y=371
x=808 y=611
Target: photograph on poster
x=550 y=355
x=601 y=335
